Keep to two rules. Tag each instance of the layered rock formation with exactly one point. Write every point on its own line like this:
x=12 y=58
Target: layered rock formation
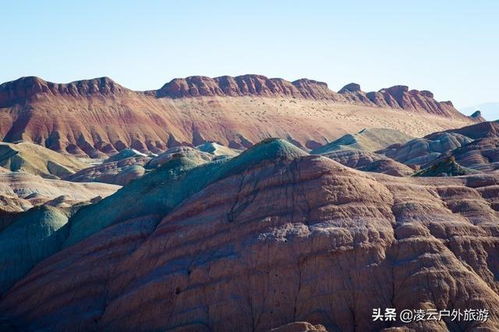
x=399 y=97
x=272 y=238
x=366 y=140
x=120 y=172
x=421 y=151
x=37 y=160
x=128 y=164
x=481 y=130
x=217 y=150
x=98 y=117
x=197 y=156
x=449 y=153
x=482 y=154
x=369 y=162
x=357 y=150
x=246 y=85
x=445 y=167
x=22 y=191
x=477 y=116
x=475 y=146
x=125 y=154
x=28 y=88
x=29 y=238
x=120 y=169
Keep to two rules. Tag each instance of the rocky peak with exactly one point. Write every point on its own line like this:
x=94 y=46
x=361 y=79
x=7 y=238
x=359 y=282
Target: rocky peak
x=477 y=116
x=445 y=167
x=101 y=85
x=27 y=88
x=302 y=82
x=479 y=130
x=397 y=92
x=271 y=149
x=244 y=85
x=352 y=87
x=314 y=89
x=20 y=90
x=399 y=96
x=425 y=93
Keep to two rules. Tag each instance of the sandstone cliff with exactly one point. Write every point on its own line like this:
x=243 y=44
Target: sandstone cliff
x=98 y=117
x=398 y=97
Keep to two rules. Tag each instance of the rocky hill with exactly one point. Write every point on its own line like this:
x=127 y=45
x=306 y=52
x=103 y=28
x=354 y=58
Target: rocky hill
x=35 y=159
x=477 y=116
x=22 y=191
x=267 y=239
x=398 y=97
x=445 y=167
x=482 y=154
x=475 y=146
x=369 y=162
x=367 y=140
x=99 y=117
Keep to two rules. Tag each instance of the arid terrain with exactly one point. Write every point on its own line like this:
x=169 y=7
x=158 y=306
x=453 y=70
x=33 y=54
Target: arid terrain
x=99 y=117
x=243 y=204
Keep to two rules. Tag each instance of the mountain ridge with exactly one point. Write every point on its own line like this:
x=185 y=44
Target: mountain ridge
x=99 y=117
x=31 y=86
x=398 y=96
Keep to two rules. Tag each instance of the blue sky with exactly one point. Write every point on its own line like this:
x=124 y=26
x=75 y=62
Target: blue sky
x=448 y=47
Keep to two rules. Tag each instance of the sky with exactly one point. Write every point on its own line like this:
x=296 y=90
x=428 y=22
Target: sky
x=448 y=47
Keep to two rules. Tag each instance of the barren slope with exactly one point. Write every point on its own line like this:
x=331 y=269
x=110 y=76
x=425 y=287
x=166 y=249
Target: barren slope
x=268 y=238
x=366 y=140
x=475 y=146
x=369 y=162
x=97 y=117
x=21 y=191
x=37 y=160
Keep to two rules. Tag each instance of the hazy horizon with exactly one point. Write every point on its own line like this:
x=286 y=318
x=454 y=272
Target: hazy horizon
x=443 y=47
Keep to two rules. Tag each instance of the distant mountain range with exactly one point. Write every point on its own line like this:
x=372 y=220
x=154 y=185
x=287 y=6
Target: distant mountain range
x=490 y=111
x=99 y=117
